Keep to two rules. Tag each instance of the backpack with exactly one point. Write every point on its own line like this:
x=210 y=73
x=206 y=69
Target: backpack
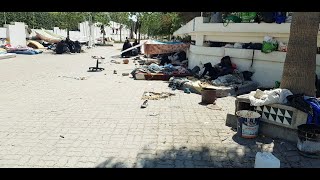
x=216 y=17
x=248 y=16
x=71 y=46
x=231 y=18
x=280 y=17
x=77 y=46
x=267 y=17
x=62 y=47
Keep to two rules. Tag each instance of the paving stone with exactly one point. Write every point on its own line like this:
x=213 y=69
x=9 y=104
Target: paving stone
x=48 y=118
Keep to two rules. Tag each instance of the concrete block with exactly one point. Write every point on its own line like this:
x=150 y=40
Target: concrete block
x=3 y=32
x=16 y=34
x=268 y=129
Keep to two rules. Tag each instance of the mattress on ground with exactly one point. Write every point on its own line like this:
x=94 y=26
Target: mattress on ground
x=163 y=77
x=28 y=52
x=7 y=55
x=224 y=91
x=35 y=44
x=46 y=37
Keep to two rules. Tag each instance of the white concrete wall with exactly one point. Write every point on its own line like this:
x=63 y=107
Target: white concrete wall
x=61 y=32
x=3 y=32
x=267 y=67
x=16 y=33
x=75 y=35
x=235 y=32
x=82 y=35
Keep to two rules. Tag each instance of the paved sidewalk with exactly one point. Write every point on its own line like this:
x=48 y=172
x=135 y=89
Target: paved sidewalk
x=49 y=118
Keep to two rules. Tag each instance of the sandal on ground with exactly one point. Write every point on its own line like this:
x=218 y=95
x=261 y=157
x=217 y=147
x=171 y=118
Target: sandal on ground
x=145 y=104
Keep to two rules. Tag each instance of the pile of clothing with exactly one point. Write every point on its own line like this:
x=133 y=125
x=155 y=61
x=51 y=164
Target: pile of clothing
x=156 y=95
x=67 y=46
x=22 y=50
x=133 y=52
x=191 y=84
x=275 y=96
x=229 y=79
x=177 y=58
x=307 y=104
x=167 y=69
x=4 y=54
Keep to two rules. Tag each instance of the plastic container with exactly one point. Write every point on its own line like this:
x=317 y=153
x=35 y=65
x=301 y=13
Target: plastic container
x=125 y=61
x=208 y=96
x=309 y=140
x=266 y=160
x=248 y=124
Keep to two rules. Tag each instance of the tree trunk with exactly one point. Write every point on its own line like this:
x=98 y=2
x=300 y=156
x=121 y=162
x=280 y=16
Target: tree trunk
x=139 y=35
x=300 y=63
x=120 y=35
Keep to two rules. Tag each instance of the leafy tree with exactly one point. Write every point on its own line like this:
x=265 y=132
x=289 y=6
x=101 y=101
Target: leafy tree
x=122 y=18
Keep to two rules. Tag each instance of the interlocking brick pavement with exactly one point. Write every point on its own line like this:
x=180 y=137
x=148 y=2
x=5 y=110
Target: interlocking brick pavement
x=50 y=119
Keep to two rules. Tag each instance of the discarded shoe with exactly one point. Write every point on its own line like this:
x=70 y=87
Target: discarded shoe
x=144 y=104
x=187 y=90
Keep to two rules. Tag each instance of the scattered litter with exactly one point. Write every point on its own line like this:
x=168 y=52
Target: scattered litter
x=178 y=107
x=125 y=74
x=114 y=72
x=266 y=160
x=154 y=114
x=80 y=78
x=61 y=136
x=224 y=139
x=77 y=78
x=141 y=62
x=156 y=96
x=183 y=147
x=125 y=61
x=114 y=61
x=164 y=142
x=213 y=107
x=144 y=104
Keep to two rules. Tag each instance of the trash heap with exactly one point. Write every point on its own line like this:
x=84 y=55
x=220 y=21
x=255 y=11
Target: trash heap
x=224 y=77
x=162 y=67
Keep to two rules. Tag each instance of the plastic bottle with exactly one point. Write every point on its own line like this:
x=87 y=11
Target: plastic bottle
x=266 y=160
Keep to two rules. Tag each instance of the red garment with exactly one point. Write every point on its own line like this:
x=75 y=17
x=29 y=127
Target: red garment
x=234 y=66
